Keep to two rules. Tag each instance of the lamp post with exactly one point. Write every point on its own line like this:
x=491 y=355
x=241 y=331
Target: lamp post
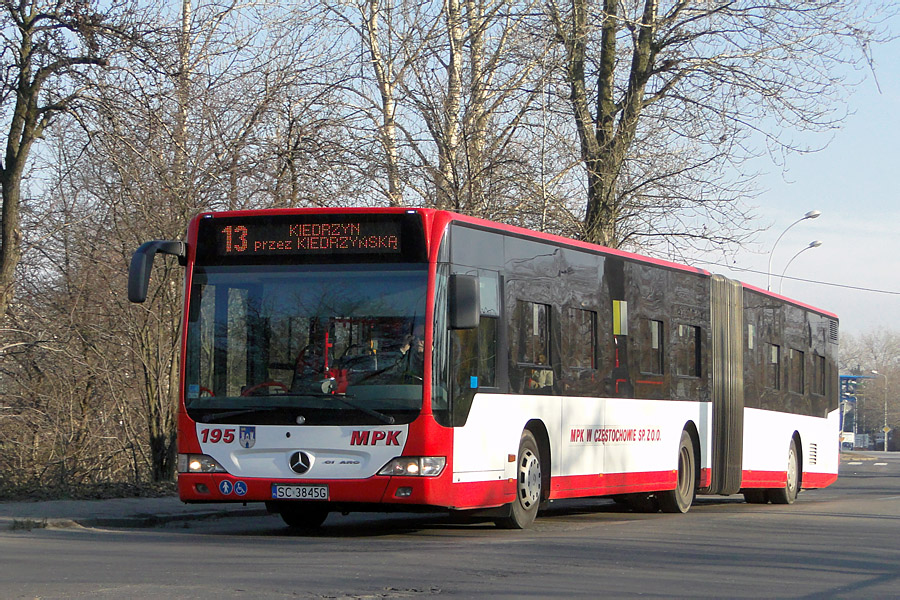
x=810 y=215
x=885 y=429
x=812 y=244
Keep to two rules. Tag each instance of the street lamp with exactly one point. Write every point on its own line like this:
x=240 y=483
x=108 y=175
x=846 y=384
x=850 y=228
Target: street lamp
x=810 y=215
x=812 y=244
x=885 y=430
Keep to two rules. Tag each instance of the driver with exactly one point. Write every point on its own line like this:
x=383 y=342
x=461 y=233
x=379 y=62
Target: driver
x=411 y=364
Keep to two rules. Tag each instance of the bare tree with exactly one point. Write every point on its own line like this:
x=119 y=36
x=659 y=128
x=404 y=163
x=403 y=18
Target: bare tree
x=70 y=419
x=875 y=349
x=388 y=70
x=705 y=81
x=443 y=90
x=193 y=123
x=874 y=355
x=474 y=92
x=49 y=49
x=380 y=44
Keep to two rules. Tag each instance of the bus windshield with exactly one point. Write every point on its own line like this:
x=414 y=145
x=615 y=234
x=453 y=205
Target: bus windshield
x=317 y=345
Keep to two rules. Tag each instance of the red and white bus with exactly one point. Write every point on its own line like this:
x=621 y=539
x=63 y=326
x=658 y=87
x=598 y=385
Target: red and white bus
x=412 y=359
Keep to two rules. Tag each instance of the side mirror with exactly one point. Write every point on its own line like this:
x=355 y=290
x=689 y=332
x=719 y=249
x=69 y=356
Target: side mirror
x=142 y=264
x=465 y=306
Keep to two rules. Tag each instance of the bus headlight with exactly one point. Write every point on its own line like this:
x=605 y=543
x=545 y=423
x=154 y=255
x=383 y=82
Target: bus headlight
x=198 y=463
x=415 y=466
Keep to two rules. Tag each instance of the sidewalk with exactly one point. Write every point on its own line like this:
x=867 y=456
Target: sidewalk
x=116 y=512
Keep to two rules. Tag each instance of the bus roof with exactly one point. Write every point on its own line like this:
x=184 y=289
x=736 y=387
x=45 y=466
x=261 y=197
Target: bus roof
x=437 y=220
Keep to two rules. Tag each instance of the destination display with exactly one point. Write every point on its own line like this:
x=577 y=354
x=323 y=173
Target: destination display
x=353 y=236
x=310 y=237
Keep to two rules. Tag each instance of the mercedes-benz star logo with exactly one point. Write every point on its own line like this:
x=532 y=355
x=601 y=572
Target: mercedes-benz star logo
x=300 y=462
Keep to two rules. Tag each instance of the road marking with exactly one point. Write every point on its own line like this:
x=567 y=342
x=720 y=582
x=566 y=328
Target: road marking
x=854 y=463
x=880 y=464
x=891 y=498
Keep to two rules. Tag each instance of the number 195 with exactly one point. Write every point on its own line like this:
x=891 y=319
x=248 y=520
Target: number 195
x=214 y=436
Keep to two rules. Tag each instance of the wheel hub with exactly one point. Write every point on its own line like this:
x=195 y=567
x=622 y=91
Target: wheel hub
x=529 y=479
x=792 y=471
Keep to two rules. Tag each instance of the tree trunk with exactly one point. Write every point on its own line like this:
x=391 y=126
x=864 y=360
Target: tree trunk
x=384 y=76
x=25 y=126
x=447 y=184
x=607 y=137
x=477 y=115
x=11 y=240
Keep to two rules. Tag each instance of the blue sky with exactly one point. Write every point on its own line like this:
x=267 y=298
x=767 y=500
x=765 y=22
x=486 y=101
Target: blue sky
x=854 y=183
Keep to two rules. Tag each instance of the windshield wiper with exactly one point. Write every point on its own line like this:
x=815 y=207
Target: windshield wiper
x=234 y=413
x=388 y=419
x=343 y=398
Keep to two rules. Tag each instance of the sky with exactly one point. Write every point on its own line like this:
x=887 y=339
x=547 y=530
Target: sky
x=855 y=183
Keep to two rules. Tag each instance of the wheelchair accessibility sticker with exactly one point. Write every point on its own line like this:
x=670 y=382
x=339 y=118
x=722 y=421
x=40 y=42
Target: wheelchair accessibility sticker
x=238 y=487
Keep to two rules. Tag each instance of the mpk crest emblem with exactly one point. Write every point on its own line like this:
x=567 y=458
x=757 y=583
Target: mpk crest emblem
x=247 y=436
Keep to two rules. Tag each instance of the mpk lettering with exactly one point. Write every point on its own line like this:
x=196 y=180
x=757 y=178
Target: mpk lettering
x=375 y=438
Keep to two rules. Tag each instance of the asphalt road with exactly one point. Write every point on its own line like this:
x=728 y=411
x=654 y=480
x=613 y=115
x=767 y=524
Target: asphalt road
x=841 y=542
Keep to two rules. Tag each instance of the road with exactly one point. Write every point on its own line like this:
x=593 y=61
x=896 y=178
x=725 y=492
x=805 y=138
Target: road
x=840 y=542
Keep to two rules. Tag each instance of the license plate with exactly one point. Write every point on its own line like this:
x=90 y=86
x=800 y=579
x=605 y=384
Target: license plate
x=299 y=492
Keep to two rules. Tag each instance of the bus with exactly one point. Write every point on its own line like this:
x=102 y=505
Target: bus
x=394 y=359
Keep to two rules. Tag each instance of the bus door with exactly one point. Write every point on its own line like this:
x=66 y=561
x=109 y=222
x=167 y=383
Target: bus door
x=726 y=384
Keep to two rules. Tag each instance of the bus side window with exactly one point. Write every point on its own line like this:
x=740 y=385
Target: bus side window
x=579 y=352
x=773 y=366
x=532 y=352
x=687 y=351
x=651 y=349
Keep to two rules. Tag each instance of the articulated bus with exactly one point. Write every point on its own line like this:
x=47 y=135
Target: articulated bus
x=411 y=359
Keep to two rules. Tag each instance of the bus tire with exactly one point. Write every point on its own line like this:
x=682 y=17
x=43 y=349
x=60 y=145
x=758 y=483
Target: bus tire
x=680 y=499
x=791 y=489
x=524 y=508
x=303 y=517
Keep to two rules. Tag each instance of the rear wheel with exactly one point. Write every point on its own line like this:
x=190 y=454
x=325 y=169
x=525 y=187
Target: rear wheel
x=791 y=489
x=303 y=517
x=680 y=499
x=523 y=509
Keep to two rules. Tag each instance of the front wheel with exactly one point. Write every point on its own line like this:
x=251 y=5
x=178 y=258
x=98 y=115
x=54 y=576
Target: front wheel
x=523 y=509
x=680 y=499
x=791 y=489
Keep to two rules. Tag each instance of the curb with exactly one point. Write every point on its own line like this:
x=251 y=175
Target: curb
x=134 y=521
x=139 y=521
